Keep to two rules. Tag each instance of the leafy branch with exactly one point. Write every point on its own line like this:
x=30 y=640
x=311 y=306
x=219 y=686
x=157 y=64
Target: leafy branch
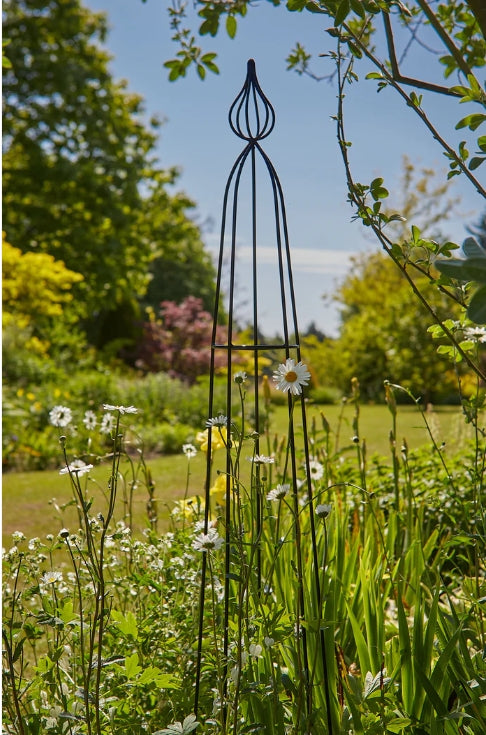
x=376 y=220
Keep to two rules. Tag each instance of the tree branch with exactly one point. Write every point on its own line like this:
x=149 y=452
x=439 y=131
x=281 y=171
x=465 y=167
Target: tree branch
x=398 y=77
x=418 y=110
x=359 y=202
x=445 y=38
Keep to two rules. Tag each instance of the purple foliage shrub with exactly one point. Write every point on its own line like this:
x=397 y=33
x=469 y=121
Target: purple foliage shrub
x=179 y=341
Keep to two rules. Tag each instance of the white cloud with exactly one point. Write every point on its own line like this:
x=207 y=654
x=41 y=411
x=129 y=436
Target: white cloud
x=328 y=261
x=307 y=260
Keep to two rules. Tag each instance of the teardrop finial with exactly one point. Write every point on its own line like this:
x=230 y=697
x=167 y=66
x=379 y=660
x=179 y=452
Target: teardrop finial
x=251 y=115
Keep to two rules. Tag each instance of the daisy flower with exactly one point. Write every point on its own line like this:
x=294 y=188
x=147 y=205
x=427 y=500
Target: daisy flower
x=51 y=578
x=189 y=450
x=210 y=541
x=217 y=421
x=78 y=467
x=290 y=376
x=476 y=333
x=199 y=526
x=90 y=420
x=278 y=493
x=60 y=416
x=107 y=423
x=262 y=459
x=316 y=469
x=240 y=377
x=323 y=510
x=120 y=409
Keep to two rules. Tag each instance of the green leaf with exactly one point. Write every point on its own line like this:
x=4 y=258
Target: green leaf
x=475 y=162
x=67 y=612
x=471 y=121
x=210 y=65
x=175 y=74
x=477 y=306
x=342 y=12
x=296 y=5
x=445 y=350
x=358 y=8
x=314 y=7
x=168 y=681
x=463 y=151
x=472 y=269
x=153 y=675
x=44 y=665
x=380 y=193
x=374 y=75
x=18 y=649
x=201 y=71
x=210 y=25
x=396 y=218
x=131 y=666
x=231 y=26
x=127 y=624
x=472 y=248
x=398 y=724
x=416 y=99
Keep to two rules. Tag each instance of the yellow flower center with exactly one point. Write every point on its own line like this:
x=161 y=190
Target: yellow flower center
x=291 y=376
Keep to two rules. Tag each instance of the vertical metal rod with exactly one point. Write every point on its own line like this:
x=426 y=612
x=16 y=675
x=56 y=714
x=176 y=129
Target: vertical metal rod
x=256 y=372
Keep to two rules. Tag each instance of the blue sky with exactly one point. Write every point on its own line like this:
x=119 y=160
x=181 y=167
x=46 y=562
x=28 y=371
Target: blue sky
x=196 y=137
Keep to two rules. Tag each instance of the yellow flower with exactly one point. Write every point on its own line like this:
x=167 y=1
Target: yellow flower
x=30 y=396
x=189 y=507
x=218 y=438
x=218 y=490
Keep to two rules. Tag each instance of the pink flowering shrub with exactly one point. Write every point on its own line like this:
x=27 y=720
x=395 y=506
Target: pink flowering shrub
x=179 y=342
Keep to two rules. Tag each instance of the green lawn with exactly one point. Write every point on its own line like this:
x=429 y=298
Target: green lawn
x=27 y=496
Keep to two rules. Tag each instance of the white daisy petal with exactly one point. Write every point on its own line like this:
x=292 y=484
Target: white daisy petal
x=90 y=421
x=278 y=493
x=120 y=409
x=220 y=420
x=316 y=469
x=210 y=541
x=189 y=450
x=291 y=376
x=60 y=416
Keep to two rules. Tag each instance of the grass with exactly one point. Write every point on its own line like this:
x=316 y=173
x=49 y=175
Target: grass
x=34 y=502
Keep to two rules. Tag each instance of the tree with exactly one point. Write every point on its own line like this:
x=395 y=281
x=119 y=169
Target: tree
x=459 y=28
x=81 y=181
x=384 y=328
x=383 y=334
x=39 y=315
x=36 y=290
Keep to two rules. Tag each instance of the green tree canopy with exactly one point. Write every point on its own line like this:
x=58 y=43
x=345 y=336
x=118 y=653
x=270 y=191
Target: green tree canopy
x=81 y=180
x=35 y=291
x=384 y=333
